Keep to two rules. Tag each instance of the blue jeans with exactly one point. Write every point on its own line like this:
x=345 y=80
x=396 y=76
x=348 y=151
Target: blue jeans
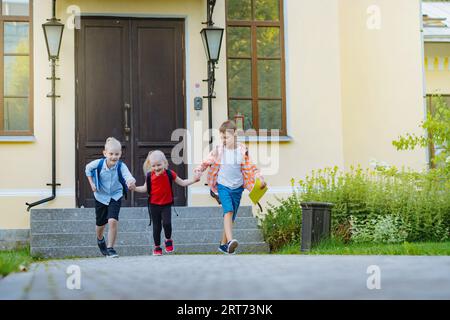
x=230 y=198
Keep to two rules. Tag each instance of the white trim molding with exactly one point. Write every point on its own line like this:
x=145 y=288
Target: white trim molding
x=17 y=139
x=67 y=192
x=272 y=190
x=265 y=139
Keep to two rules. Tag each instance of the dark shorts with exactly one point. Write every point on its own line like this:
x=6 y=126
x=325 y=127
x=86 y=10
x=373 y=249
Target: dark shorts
x=105 y=212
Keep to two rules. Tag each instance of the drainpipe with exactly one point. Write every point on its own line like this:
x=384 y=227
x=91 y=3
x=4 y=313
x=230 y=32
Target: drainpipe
x=53 y=96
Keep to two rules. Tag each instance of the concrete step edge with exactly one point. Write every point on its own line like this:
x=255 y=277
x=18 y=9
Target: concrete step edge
x=145 y=246
x=139 y=219
x=137 y=232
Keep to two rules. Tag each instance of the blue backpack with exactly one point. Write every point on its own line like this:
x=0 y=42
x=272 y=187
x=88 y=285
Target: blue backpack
x=96 y=175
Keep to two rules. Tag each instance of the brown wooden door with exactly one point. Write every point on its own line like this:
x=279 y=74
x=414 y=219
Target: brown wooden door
x=130 y=73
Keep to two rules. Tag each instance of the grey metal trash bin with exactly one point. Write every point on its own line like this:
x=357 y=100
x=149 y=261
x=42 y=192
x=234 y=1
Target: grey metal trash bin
x=316 y=223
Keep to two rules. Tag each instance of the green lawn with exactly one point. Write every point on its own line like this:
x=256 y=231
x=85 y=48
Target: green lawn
x=12 y=260
x=340 y=248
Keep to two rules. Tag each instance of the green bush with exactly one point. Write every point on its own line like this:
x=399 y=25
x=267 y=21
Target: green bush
x=392 y=205
x=383 y=229
x=282 y=224
x=421 y=201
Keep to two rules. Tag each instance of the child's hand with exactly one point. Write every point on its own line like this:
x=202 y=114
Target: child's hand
x=263 y=184
x=131 y=186
x=197 y=176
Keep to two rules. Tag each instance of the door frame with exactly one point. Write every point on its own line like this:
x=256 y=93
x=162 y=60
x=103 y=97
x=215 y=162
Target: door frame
x=79 y=174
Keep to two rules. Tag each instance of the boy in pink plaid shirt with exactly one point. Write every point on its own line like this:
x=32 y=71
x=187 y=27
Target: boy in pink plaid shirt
x=230 y=171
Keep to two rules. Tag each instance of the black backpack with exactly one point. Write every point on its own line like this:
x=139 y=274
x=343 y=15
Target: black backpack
x=148 y=181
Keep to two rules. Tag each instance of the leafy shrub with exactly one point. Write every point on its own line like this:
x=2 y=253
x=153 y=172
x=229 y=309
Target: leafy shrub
x=385 y=205
x=383 y=229
x=421 y=200
x=282 y=224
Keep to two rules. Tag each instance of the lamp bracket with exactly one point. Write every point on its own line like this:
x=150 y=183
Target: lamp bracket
x=210 y=4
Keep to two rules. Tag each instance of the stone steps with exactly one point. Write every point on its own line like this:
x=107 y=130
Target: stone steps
x=137 y=225
x=133 y=213
x=141 y=238
x=59 y=233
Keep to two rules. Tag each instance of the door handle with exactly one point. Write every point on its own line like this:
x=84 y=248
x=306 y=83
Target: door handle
x=127 y=129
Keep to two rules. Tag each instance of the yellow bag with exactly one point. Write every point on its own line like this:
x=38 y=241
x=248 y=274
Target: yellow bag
x=257 y=193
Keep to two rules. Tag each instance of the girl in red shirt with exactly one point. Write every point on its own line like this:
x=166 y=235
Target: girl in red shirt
x=161 y=197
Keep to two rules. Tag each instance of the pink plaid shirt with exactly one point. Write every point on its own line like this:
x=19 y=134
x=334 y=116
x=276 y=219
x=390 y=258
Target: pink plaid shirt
x=249 y=171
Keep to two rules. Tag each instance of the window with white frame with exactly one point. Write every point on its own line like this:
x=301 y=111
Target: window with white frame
x=255 y=63
x=16 y=105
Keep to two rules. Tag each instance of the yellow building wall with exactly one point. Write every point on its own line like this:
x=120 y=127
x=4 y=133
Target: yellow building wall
x=26 y=167
x=313 y=99
x=328 y=75
x=437 y=69
x=382 y=79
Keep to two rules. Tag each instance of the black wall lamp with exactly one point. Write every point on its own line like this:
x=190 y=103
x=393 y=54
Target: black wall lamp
x=212 y=42
x=53 y=31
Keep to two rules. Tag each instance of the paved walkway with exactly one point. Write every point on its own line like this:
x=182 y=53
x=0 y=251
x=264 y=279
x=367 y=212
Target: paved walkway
x=254 y=277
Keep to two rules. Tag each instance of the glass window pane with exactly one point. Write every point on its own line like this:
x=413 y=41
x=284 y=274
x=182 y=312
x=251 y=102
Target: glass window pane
x=243 y=107
x=16 y=115
x=270 y=114
x=15 y=7
x=269 y=78
x=239 y=9
x=267 y=10
x=435 y=100
x=16 y=37
x=446 y=100
x=239 y=42
x=239 y=78
x=268 y=40
x=17 y=76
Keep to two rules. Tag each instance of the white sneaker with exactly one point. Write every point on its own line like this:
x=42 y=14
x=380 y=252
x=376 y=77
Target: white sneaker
x=232 y=245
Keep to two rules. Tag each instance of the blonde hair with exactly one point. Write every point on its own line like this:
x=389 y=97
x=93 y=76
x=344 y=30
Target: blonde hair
x=227 y=125
x=112 y=143
x=154 y=156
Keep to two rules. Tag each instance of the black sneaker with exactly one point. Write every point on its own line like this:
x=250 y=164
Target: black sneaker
x=223 y=248
x=112 y=253
x=102 y=246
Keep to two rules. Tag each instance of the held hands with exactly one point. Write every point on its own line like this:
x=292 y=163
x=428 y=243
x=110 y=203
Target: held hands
x=131 y=186
x=197 y=176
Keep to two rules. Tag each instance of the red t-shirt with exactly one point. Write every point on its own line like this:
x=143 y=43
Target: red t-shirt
x=161 y=193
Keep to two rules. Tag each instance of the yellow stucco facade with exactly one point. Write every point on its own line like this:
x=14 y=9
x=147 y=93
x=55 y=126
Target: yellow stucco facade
x=352 y=86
